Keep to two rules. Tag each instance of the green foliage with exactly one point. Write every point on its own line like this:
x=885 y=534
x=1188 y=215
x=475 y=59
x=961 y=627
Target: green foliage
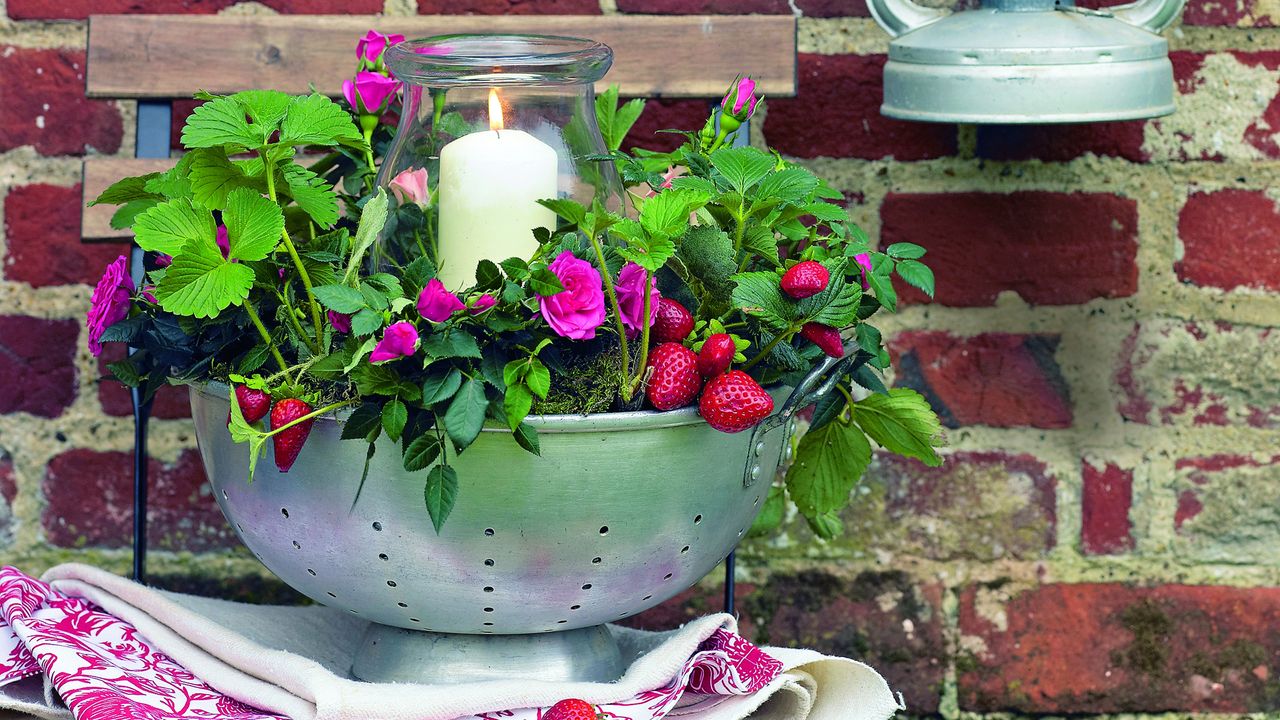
x=615 y=120
x=902 y=422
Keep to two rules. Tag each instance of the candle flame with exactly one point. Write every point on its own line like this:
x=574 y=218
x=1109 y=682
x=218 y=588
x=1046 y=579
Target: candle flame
x=495 y=110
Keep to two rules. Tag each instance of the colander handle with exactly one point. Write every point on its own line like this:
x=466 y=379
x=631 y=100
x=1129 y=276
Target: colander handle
x=806 y=392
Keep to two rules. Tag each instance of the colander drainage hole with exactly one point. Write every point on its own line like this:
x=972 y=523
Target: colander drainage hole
x=383 y=556
x=225 y=496
x=488 y=589
x=296 y=546
x=684 y=549
x=596 y=561
x=391 y=583
x=667 y=576
x=313 y=572
x=604 y=530
x=377 y=526
x=697 y=519
x=646 y=597
x=331 y=595
x=587 y=586
x=403 y=605
x=575 y=607
x=488 y=609
x=488 y=624
x=488 y=562
x=284 y=512
x=414 y=620
x=561 y=622
x=488 y=532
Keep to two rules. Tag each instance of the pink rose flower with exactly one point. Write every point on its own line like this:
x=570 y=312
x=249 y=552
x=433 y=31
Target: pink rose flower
x=630 y=289
x=110 y=301
x=400 y=340
x=864 y=262
x=163 y=260
x=436 y=304
x=411 y=186
x=579 y=310
x=741 y=95
x=373 y=44
x=482 y=303
x=223 y=240
x=149 y=294
x=340 y=321
x=370 y=91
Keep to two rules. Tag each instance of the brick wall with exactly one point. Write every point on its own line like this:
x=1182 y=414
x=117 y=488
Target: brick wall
x=1103 y=536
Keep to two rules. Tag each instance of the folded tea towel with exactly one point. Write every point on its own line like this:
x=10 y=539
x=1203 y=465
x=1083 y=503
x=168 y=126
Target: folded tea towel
x=112 y=649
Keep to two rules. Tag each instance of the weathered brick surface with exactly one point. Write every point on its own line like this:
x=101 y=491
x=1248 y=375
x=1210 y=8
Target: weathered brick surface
x=1228 y=507
x=1105 y=502
x=666 y=115
x=837 y=114
x=976 y=506
x=1049 y=248
x=1090 y=648
x=1172 y=372
x=42 y=232
x=1062 y=142
x=810 y=8
x=81 y=9
x=694 y=603
x=996 y=379
x=44 y=104
x=883 y=619
x=509 y=7
x=1229 y=240
x=37 y=362
x=8 y=491
x=169 y=402
x=1240 y=13
x=89 y=498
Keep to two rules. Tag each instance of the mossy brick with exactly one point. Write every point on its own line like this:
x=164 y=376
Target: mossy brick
x=42 y=238
x=837 y=114
x=44 y=104
x=1049 y=248
x=981 y=506
x=509 y=7
x=1113 y=648
x=89 y=503
x=993 y=379
x=1229 y=240
x=1200 y=373
x=885 y=619
x=1228 y=508
x=37 y=364
x=81 y=9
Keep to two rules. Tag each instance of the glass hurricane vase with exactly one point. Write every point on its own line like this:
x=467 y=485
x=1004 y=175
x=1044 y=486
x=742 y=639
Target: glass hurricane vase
x=490 y=125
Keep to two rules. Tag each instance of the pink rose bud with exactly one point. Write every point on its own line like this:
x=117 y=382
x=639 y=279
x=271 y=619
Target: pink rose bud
x=400 y=340
x=739 y=104
x=110 y=301
x=224 y=241
x=579 y=310
x=437 y=304
x=410 y=186
x=163 y=260
x=630 y=290
x=369 y=93
x=370 y=47
x=482 y=303
x=340 y=321
x=864 y=262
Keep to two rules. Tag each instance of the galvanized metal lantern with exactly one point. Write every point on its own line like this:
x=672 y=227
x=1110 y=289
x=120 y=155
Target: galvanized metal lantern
x=1027 y=61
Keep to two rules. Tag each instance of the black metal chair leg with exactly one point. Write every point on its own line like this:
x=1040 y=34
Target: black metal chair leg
x=729 y=582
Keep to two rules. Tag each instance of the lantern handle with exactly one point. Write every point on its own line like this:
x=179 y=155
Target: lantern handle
x=902 y=16
x=1153 y=15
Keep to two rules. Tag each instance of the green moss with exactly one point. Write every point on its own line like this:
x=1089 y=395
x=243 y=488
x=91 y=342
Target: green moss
x=1151 y=628
x=584 y=382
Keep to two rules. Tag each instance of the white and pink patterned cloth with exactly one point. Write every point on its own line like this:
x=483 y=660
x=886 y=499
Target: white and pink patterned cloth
x=114 y=650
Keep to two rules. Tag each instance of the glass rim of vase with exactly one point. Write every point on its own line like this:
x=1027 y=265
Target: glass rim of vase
x=495 y=59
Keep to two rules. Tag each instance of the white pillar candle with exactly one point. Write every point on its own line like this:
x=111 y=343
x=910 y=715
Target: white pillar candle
x=490 y=184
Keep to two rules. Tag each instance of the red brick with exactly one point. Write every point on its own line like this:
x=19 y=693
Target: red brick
x=37 y=365
x=809 y=8
x=1173 y=372
x=1228 y=507
x=1107 y=497
x=995 y=379
x=170 y=402
x=837 y=114
x=1261 y=134
x=1050 y=248
x=975 y=506
x=1229 y=240
x=1060 y=143
x=1241 y=13
x=698 y=601
x=9 y=491
x=1110 y=648
x=44 y=104
x=81 y=9
x=1186 y=65
x=508 y=7
x=89 y=502
x=666 y=115
x=181 y=110
x=883 y=619
x=42 y=238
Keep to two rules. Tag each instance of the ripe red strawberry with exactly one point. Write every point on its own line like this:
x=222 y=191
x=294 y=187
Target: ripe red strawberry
x=572 y=709
x=805 y=279
x=733 y=402
x=716 y=355
x=825 y=337
x=254 y=404
x=289 y=443
x=675 y=381
x=673 y=324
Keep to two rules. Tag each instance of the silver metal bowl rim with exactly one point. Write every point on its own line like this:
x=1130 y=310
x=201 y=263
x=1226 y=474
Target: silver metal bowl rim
x=593 y=422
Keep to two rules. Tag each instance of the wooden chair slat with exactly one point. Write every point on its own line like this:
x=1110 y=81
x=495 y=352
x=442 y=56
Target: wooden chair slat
x=149 y=56
x=98 y=174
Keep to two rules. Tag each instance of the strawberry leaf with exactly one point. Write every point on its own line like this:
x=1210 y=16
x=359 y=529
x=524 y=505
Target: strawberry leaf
x=312 y=194
x=220 y=121
x=316 y=120
x=901 y=422
x=254 y=224
x=167 y=227
x=201 y=283
x=829 y=463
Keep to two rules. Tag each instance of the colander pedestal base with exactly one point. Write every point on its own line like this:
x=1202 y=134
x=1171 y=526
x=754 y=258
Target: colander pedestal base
x=391 y=654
